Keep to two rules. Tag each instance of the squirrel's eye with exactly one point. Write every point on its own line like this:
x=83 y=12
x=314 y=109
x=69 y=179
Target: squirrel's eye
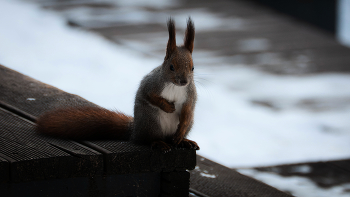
x=172 y=67
x=192 y=68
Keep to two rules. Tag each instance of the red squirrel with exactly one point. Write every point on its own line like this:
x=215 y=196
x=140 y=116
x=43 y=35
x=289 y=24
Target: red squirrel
x=163 y=110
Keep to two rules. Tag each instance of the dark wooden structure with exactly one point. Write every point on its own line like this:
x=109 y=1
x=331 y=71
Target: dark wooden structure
x=36 y=165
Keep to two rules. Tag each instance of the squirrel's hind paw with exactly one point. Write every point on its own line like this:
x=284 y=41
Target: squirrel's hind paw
x=186 y=143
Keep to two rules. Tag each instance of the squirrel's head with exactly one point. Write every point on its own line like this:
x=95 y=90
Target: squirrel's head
x=178 y=64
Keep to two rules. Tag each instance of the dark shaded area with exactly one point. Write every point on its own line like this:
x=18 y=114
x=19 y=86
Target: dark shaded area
x=106 y=185
x=321 y=13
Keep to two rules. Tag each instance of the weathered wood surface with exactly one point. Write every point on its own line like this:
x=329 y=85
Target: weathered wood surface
x=27 y=158
x=141 y=184
x=34 y=157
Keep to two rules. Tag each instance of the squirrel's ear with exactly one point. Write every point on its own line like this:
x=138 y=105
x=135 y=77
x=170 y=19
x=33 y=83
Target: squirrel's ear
x=189 y=37
x=171 y=47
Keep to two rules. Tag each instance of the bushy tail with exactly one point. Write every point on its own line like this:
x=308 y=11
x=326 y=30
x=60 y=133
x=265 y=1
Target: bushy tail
x=80 y=123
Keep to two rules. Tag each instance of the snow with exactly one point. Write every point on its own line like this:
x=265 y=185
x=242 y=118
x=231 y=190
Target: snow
x=205 y=173
x=212 y=176
x=231 y=127
x=298 y=186
x=343 y=22
x=133 y=12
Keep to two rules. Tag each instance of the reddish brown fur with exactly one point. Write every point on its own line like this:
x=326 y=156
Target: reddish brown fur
x=85 y=123
x=180 y=60
x=161 y=102
x=185 y=121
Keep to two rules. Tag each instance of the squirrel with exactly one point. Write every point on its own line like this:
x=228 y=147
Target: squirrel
x=163 y=110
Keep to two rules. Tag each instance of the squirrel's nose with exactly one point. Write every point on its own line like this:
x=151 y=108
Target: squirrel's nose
x=183 y=82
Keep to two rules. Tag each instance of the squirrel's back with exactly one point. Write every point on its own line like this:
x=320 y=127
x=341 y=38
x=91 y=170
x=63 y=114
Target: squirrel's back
x=85 y=123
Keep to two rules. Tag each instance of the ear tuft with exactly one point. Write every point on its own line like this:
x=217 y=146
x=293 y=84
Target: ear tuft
x=189 y=37
x=171 y=47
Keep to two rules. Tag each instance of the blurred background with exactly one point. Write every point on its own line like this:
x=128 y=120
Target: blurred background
x=272 y=76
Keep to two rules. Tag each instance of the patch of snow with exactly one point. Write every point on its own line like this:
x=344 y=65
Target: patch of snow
x=160 y=4
x=116 y=17
x=298 y=186
x=204 y=173
x=213 y=176
x=343 y=22
x=205 y=20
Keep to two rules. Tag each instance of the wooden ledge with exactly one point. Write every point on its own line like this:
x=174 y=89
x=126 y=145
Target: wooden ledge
x=26 y=157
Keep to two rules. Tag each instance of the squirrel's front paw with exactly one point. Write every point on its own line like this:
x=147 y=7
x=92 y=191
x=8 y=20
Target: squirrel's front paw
x=169 y=108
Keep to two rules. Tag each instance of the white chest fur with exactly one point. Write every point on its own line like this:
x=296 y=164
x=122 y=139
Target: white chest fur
x=178 y=95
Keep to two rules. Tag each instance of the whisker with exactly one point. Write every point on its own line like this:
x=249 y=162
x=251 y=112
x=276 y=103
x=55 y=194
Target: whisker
x=201 y=86
x=205 y=79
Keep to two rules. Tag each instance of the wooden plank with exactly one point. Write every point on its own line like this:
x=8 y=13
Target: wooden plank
x=32 y=96
x=213 y=179
x=126 y=157
x=4 y=170
x=342 y=164
x=27 y=163
x=43 y=155
x=145 y=184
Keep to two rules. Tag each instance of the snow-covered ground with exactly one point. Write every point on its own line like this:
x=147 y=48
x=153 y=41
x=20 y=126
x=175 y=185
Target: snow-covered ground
x=244 y=117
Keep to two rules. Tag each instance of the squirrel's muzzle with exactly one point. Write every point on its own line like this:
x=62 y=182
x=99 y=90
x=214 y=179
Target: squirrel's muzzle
x=183 y=82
